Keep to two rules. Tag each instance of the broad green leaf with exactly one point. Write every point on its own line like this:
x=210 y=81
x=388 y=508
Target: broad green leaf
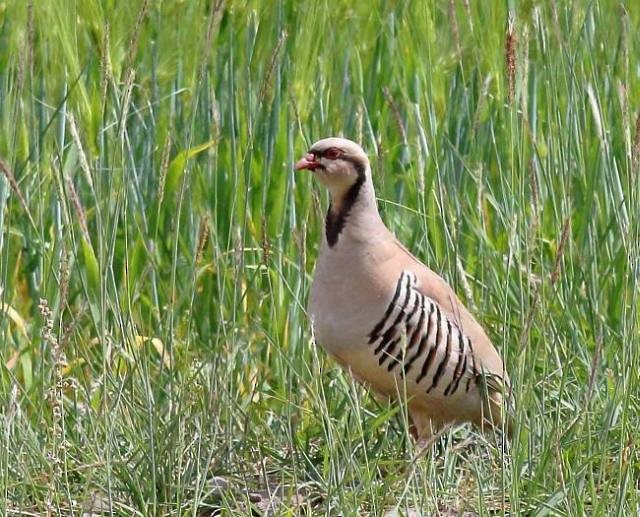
x=92 y=268
x=178 y=165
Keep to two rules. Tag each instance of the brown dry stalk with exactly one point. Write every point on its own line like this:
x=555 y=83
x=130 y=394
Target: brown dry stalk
x=453 y=21
x=560 y=465
x=554 y=278
x=560 y=253
x=214 y=17
x=396 y=113
x=30 y=38
x=380 y=146
x=466 y=287
x=129 y=72
x=164 y=167
x=135 y=35
x=64 y=275
x=535 y=200
x=63 y=279
x=482 y=101
x=274 y=57
x=105 y=65
x=82 y=157
x=635 y=151
x=624 y=38
x=535 y=190
x=510 y=57
x=14 y=185
x=623 y=96
x=203 y=234
x=467 y=7
x=128 y=88
x=554 y=11
x=75 y=201
x=359 y=122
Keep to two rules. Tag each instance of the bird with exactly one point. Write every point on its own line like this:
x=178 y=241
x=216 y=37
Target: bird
x=389 y=320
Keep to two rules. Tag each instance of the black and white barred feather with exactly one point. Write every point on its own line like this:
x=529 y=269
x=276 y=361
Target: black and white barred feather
x=416 y=339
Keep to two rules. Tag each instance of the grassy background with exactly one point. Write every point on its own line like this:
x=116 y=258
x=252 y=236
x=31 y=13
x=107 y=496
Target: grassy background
x=156 y=250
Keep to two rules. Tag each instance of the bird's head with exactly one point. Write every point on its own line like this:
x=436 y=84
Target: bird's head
x=337 y=162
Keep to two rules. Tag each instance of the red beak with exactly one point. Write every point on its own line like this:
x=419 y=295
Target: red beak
x=307 y=162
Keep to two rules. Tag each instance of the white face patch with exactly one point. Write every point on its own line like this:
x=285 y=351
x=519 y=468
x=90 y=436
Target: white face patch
x=337 y=175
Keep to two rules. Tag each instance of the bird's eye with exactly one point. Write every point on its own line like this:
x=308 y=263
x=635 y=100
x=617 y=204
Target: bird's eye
x=332 y=153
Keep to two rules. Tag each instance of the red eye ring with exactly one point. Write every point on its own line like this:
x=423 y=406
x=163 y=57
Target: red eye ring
x=332 y=153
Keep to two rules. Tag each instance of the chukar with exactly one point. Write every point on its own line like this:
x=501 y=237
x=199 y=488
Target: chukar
x=386 y=317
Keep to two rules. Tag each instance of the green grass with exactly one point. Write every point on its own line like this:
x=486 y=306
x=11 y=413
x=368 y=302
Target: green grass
x=156 y=250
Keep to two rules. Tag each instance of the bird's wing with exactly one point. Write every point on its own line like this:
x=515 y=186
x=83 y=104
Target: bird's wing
x=431 y=285
x=419 y=339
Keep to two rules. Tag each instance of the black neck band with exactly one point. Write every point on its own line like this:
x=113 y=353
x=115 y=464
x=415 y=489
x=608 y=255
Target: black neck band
x=335 y=220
